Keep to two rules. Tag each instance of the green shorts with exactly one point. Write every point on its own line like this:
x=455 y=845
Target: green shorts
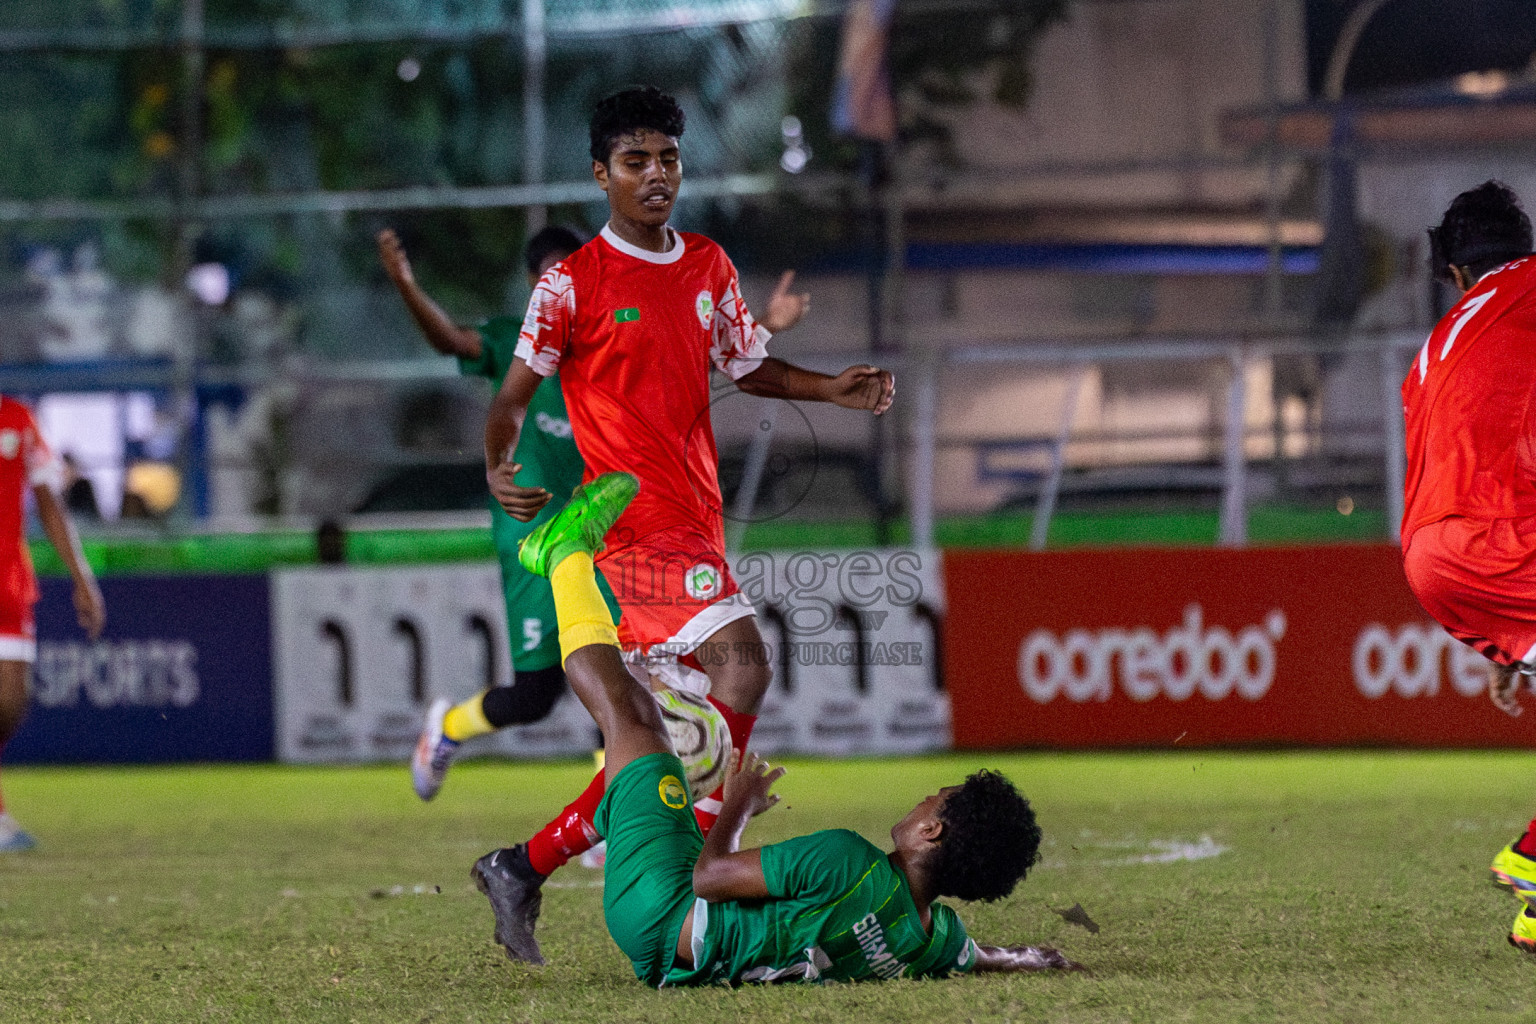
x=533 y=632
x=653 y=843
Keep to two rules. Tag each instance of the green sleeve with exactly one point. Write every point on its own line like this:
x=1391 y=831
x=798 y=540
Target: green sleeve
x=823 y=865
x=498 y=346
x=950 y=950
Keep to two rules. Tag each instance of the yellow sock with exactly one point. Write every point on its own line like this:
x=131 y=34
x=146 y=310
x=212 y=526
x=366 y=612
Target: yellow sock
x=467 y=720
x=579 y=605
x=599 y=758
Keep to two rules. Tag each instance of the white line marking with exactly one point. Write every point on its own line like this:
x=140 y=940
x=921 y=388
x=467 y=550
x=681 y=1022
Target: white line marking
x=1162 y=851
x=1170 y=852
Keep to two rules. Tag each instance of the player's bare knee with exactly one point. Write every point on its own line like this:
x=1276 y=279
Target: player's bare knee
x=737 y=663
x=630 y=720
x=740 y=681
x=11 y=713
x=13 y=697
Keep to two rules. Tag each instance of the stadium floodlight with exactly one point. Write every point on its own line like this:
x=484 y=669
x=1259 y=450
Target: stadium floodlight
x=796 y=153
x=210 y=282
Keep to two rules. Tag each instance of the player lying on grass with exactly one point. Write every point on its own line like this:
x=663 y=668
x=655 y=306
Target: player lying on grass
x=1469 y=520
x=824 y=907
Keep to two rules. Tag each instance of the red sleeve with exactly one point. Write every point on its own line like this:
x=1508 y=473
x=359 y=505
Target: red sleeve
x=740 y=343
x=547 y=325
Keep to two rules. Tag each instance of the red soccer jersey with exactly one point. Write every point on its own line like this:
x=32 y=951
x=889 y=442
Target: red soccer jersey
x=633 y=334
x=1467 y=404
x=25 y=460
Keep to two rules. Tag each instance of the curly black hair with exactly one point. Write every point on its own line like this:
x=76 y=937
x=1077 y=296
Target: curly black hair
x=548 y=241
x=1483 y=228
x=990 y=839
x=629 y=111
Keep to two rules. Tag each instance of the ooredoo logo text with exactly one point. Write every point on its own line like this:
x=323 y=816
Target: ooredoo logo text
x=1085 y=665
x=1411 y=660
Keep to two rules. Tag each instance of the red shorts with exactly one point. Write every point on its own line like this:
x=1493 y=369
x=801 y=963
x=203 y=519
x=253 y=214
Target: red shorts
x=672 y=599
x=1477 y=578
x=18 y=629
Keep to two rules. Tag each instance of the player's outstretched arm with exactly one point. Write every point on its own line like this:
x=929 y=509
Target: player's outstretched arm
x=724 y=871
x=1020 y=959
x=503 y=426
x=89 y=607
x=441 y=332
x=858 y=387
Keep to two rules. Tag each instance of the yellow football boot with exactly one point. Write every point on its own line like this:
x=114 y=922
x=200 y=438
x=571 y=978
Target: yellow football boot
x=1523 y=935
x=1516 y=872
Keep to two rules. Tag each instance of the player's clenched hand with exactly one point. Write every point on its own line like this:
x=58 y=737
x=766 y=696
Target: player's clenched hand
x=90 y=609
x=521 y=503
x=392 y=254
x=748 y=781
x=862 y=387
x=1504 y=689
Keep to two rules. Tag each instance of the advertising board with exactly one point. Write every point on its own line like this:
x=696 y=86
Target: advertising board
x=1150 y=648
x=361 y=652
x=854 y=638
x=182 y=673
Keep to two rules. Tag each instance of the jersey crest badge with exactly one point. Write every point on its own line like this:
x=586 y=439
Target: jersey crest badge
x=672 y=792
x=10 y=443
x=703 y=582
x=626 y=316
x=704 y=305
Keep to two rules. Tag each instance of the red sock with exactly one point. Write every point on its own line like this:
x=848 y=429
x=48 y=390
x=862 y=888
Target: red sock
x=571 y=833
x=740 y=725
x=1526 y=844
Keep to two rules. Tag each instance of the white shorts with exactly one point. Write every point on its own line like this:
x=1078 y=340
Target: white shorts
x=673 y=661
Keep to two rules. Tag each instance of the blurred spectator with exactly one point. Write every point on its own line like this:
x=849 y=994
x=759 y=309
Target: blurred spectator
x=79 y=493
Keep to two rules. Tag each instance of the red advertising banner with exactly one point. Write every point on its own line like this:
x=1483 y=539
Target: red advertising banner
x=1153 y=648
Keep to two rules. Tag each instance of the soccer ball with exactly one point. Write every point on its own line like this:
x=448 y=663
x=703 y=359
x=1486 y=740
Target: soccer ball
x=700 y=738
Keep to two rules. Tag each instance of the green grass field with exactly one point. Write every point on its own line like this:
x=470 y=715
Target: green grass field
x=1229 y=887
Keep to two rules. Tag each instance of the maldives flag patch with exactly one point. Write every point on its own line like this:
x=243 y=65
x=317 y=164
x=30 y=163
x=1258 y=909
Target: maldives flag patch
x=625 y=316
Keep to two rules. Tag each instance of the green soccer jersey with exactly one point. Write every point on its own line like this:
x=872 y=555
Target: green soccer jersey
x=838 y=910
x=546 y=449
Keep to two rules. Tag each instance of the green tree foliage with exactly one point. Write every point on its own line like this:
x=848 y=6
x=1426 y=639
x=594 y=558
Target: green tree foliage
x=107 y=123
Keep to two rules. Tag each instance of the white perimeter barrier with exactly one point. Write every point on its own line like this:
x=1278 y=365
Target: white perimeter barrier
x=359 y=654
x=855 y=639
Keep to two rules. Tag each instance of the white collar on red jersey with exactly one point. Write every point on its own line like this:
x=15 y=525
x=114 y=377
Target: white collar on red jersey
x=672 y=255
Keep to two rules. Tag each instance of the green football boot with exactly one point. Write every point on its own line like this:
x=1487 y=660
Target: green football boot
x=581 y=525
x=1516 y=872
x=1523 y=935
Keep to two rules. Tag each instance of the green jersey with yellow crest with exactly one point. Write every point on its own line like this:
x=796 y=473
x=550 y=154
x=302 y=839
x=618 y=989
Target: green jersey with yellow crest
x=838 y=910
